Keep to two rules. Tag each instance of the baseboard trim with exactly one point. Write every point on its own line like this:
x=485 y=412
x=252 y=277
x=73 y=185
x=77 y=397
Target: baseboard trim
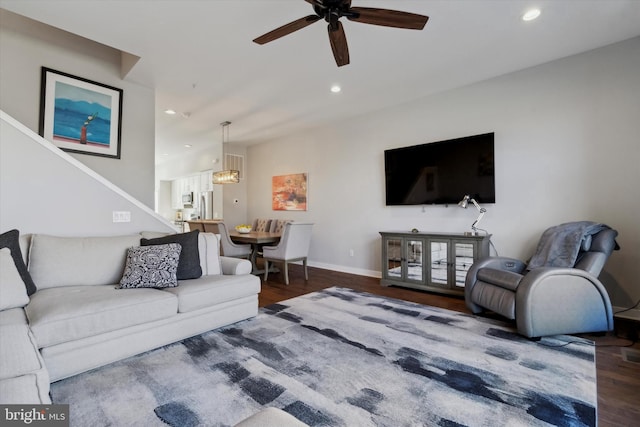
x=344 y=269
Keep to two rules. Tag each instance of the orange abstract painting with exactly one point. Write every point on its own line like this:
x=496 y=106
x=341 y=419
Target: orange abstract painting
x=289 y=192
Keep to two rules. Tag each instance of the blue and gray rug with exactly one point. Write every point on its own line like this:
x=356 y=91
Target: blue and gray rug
x=346 y=358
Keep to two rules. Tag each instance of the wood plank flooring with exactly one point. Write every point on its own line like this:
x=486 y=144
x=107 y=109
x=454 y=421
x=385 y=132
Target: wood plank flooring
x=618 y=380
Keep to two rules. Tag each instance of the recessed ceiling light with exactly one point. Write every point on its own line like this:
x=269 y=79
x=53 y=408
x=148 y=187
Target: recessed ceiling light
x=531 y=14
x=188 y=145
x=335 y=88
x=170 y=111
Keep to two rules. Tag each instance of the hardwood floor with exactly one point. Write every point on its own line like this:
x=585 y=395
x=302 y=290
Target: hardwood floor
x=618 y=380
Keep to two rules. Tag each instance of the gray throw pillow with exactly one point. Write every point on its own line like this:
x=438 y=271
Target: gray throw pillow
x=11 y=240
x=151 y=266
x=189 y=266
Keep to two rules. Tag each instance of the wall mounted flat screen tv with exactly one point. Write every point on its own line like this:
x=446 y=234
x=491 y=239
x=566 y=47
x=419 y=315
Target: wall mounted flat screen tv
x=441 y=172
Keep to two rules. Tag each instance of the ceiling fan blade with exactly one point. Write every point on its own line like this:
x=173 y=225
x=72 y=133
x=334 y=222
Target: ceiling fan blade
x=339 y=44
x=388 y=18
x=286 y=29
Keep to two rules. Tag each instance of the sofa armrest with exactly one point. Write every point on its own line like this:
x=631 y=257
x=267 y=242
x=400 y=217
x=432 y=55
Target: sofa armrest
x=552 y=300
x=235 y=266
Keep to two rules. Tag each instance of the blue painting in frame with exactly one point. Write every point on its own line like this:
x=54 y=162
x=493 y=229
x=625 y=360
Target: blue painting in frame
x=79 y=115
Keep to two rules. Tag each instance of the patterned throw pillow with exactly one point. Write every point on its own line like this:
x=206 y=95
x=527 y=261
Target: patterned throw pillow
x=151 y=266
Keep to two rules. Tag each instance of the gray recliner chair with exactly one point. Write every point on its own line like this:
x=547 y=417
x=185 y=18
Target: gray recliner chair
x=547 y=299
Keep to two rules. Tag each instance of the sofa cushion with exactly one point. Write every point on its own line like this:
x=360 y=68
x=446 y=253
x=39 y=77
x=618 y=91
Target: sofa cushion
x=73 y=261
x=151 y=266
x=189 y=265
x=18 y=351
x=13 y=316
x=271 y=417
x=27 y=389
x=23 y=376
x=207 y=291
x=13 y=292
x=11 y=240
x=62 y=314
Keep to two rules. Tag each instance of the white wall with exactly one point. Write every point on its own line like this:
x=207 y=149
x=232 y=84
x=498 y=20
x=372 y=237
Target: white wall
x=566 y=149
x=45 y=190
x=235 y=200
x=26 y=46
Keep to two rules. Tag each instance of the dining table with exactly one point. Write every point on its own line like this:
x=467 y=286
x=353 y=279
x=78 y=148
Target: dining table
x=256 y=239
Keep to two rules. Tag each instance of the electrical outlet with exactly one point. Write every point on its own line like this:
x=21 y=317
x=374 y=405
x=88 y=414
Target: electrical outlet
x=351 y=252
x=121 y=216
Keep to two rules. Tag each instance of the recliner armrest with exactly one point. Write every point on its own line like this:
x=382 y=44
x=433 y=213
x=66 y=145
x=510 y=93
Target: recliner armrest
x=502 y=278
x=497 y=263
x=553 y=300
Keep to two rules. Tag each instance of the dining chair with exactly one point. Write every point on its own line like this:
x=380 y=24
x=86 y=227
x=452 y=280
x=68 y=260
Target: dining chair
x=229 y=248
x=277 y=225
x=293 y=246
x=261 y=224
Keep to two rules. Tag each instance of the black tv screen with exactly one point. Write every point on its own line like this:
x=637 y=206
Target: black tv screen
x=441 y=172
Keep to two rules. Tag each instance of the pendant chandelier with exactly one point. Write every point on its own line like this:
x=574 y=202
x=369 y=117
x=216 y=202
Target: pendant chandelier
x=227 y=176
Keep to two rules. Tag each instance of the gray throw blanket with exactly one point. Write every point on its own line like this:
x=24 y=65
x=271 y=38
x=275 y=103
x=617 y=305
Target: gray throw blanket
x=559 y=245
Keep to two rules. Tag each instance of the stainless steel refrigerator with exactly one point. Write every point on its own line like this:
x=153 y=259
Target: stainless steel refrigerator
x=205 y=205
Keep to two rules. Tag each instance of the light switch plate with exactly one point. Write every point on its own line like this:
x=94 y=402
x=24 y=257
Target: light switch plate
x=121 y=216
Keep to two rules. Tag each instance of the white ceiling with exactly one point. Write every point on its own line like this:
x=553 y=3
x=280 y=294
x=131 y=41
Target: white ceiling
x=200 y=58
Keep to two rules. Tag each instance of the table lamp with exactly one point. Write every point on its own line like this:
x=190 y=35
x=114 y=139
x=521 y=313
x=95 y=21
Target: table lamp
x=464 y=203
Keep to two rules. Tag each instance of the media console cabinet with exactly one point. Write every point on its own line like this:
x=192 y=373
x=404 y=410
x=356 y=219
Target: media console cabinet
x=436 y=262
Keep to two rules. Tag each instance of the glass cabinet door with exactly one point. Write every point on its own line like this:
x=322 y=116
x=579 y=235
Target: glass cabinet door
x=436 y=262
x=463 y=252
x=393 y=266
x=439 y=268
x=414 y=249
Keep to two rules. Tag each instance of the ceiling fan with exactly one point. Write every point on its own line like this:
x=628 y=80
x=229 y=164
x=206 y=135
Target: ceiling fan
x=332 y=10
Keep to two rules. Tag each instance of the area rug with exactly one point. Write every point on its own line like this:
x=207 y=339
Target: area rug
x=340 y=357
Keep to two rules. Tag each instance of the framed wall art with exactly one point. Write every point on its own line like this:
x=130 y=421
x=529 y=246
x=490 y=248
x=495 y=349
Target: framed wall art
x=80 y=115
x=289 y=192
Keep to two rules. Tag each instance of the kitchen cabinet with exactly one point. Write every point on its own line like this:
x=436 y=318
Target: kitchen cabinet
x=436 y=262
x=191 y=184
x=206 y=181
x=177 y=190
x=195 y=184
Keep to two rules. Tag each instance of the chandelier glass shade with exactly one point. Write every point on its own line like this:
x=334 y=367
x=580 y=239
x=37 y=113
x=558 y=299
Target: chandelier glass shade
x=228 y=176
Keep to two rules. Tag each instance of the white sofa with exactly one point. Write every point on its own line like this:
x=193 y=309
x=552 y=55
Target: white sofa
x=79 y=320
